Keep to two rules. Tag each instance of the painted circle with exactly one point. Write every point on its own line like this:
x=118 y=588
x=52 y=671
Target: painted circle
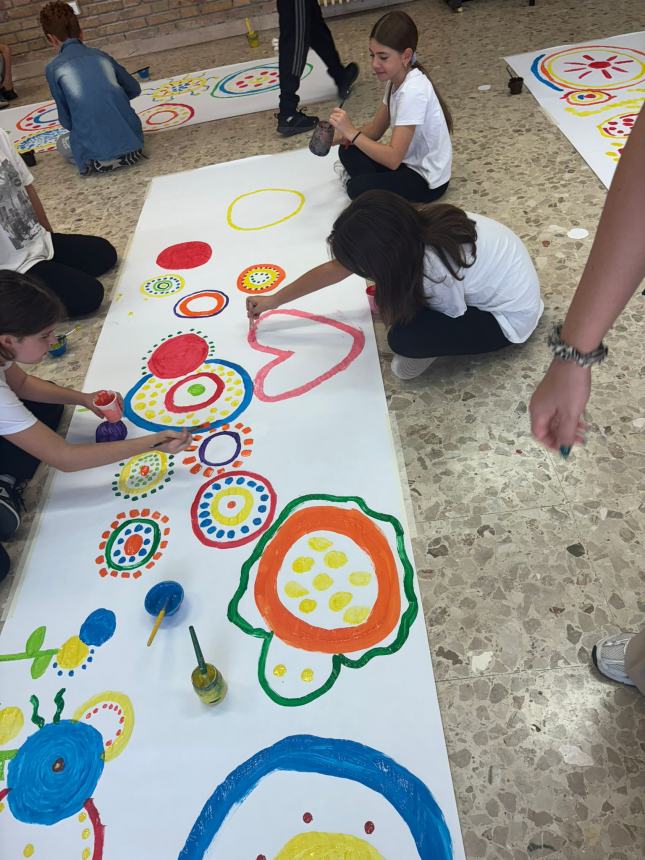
x=41 y=117
x=164 y=285
x=132 y=544
x=296 y=632
x=178 y=355
x=98 y=627
x=165 y=116
x=581 y=98
x=143 y=474
x=116 y=707
x=144 y=403
x=41 y=791
x=260 y=278
x=193 y=392
x=185 y=255
x=178 y=87
x=299 y=203
x=252 y=80
x=590 y=67
x=204 y=303
x=233 y=509
x=619 y=125
x=168 y=593
x=216 y=439
x=40 y=141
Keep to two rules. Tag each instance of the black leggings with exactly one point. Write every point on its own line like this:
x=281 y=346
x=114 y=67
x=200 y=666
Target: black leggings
x=367 y=175
x=433 y=334
x=18 y=463
x=73 y=270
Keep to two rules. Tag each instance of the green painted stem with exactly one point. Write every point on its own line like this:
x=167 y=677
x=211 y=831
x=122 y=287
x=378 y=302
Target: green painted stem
x=24 y=656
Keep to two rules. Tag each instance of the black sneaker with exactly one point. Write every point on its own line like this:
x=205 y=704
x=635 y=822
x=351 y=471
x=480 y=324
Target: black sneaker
x=8 y=95
x=10 y=501
x=349 y=77
x=5 y=562
x=297 y=123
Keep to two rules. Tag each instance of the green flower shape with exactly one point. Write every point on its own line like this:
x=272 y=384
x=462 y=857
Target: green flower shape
x=328 y=585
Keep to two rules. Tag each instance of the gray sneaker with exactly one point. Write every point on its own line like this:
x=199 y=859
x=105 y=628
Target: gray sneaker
x=10 y=501
x=608 y=657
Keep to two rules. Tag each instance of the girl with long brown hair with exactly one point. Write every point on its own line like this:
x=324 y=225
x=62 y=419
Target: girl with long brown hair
x=416 y=163
x=448 y=282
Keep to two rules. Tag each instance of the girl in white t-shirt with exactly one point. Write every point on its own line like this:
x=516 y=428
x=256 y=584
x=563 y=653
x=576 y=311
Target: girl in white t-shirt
x=448 y=282
x=30 y=408
x=416 y=163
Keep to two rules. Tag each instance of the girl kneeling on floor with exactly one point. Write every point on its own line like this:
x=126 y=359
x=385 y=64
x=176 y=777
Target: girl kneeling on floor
x=416 y=162
x=448 y=282
x=31 y=408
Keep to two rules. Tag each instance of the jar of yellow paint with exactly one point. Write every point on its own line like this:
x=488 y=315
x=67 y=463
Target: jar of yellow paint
x=210 y=686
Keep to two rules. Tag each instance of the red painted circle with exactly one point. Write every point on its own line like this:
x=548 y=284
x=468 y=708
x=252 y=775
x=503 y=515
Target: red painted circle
x=369 y=827
x=169 y=400
x=185 y=255
x=307 y=818
x=178 y=355
x=132 y=547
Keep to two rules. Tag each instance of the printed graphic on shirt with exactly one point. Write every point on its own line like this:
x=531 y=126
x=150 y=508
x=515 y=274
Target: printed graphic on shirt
x=17 y=216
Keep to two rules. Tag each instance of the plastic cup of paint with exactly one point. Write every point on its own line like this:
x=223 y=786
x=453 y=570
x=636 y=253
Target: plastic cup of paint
x=108 y=404
x=167 y=593
x=515 y=86
x=371 y=298
x=60 y=347
x=322 y=138
x=210 y=686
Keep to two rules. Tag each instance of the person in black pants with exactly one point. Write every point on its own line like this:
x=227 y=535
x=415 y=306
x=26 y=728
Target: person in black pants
x=302 y=27
x=68 y=264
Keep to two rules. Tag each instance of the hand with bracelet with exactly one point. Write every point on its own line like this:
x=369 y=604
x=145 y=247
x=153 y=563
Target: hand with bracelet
x=339 y=118
x=615 y=268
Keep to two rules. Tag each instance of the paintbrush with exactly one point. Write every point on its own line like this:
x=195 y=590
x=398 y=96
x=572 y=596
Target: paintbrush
x=157 y=624
x=198 y=651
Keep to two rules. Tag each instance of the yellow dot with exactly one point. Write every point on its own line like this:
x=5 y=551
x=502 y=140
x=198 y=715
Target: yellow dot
x=86 y=854
x=82 y=816
x=339 y=600
x=302 y=564
x=294 y=589
x=11 y=722
x=335 y=559
x=356 y=614
x=307 y=605
x=360 y=577
x=1 y=807
x=322 y=582
x=85 y=833
x=320 y=544
x=307 y=675
x=28 y=850
x=150 y=414
x=280 y=670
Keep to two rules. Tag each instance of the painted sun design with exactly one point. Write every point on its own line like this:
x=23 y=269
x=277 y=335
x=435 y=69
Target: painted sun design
x=134 y=541
x=260 y=278
x=610 y=67
x=212 y=454
x=142 y=475
x=186 y=86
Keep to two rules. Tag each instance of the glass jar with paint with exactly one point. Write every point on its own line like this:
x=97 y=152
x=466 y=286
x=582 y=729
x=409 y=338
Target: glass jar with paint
x=207 y=681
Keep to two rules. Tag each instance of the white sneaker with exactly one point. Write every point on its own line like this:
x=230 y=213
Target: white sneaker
x=408 y=368
x=608 y=657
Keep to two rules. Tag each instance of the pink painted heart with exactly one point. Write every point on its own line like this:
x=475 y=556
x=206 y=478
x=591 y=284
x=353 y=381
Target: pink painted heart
x=284 y=355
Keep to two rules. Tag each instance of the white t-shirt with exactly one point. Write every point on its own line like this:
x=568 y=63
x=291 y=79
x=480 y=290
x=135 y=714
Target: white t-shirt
x=14 y=415
x=415 y=103
x=23 y=240
x=502 y=280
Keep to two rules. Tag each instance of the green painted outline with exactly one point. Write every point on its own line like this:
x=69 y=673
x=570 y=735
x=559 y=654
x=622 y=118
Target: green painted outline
x=108 y=549
x=338 y=660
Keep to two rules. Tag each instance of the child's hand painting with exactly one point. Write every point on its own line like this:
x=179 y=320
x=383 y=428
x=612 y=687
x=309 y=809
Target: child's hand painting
x=257 y=305
x=170 y=441
x=342 y=123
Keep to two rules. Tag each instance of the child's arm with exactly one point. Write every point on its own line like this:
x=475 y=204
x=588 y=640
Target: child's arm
x=39 y=211
x=28 y=387
x=313 y=280
x=131 y=86
x=58 y=95
x=375 y=129
x=390 y=154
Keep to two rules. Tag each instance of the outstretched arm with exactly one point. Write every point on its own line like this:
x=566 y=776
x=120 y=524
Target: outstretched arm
x=615 y=268
x=313 y=280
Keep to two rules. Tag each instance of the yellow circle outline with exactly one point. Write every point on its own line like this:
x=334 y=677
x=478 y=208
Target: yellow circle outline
x=229 y=211
x=619 y=85
x=118 y=745
x=239 y=517
x=130 y=465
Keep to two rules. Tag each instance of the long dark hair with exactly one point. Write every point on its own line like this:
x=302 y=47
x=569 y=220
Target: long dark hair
x=26 y=307
x=383 y=238
x=398 y=31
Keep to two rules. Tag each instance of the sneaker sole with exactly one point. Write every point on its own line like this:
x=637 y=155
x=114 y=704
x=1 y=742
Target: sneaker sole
x=9 y=509
x=292 y=132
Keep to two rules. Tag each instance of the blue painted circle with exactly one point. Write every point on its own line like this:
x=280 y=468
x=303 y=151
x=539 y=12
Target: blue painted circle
x=170 y=591
x=98 y=627
x=337 y=758
x=54 y=772
x=137 y=419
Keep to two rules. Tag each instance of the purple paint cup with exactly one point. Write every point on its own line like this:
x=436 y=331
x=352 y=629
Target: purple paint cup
x=515 y=86
x=322 y=138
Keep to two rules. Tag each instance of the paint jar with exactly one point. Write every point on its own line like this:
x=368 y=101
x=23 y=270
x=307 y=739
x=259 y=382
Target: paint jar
x=29 y=157
x=60 y=348
x=252 y=38
x=144 y=73
x=515 y=86
x=108 y=404
x=371 y=298
x=210 y=686
x=111 y=431
x=322 y=138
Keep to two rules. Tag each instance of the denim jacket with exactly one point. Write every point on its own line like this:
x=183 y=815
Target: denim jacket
x=92 y=93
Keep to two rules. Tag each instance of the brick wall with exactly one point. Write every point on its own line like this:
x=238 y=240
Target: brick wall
x=108 y=23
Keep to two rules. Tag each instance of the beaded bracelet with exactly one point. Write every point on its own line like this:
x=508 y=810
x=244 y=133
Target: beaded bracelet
x=564 y=352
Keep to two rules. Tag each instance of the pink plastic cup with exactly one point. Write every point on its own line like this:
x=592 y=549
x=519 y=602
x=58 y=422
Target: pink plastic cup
x=108 y=404
x=371 y=298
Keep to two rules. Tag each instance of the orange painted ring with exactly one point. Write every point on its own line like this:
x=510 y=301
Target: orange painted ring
x=275 y=275
x=183 y=309
x=298 y=633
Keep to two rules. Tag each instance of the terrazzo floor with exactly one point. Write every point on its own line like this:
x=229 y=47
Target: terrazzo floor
x=523 y=560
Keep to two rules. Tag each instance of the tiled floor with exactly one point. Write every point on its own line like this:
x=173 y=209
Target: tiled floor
x=523 y=560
